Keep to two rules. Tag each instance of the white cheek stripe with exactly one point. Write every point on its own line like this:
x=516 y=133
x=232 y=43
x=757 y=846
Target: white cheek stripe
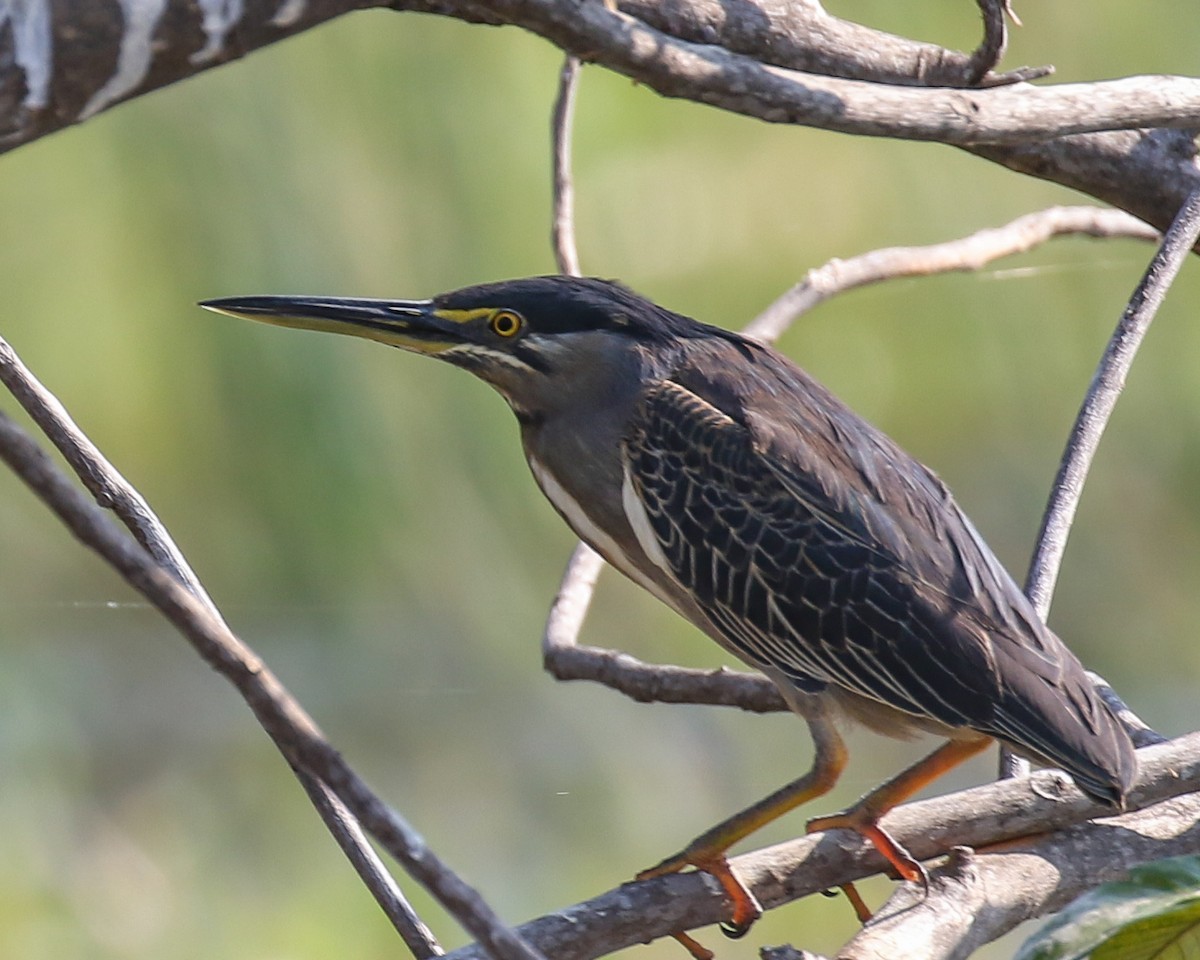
x=583 y=526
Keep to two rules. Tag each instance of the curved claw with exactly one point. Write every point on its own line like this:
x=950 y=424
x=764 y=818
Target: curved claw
x=734 y=931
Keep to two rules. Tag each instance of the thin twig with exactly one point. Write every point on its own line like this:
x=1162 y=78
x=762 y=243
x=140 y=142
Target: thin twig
x=562 y=230
x=358 y=850
x=995 y=38
x=964 y=254
x=743 y=84
x=114 y=492
x=281 y=716
x=1106 y=387
x=562 y=657
x=102 y=479
x=1139 y=731
x=1094 y=414
x=565 y=659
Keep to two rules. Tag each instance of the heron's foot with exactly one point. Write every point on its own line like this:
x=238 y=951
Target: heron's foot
x=866 y=823
x=746 y=908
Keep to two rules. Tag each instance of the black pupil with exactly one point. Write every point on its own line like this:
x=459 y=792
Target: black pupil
x=505 y=324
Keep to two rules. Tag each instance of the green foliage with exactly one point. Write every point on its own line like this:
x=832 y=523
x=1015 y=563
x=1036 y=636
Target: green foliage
x=1154 y=915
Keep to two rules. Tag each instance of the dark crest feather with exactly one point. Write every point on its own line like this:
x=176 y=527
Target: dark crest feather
x=558 y=304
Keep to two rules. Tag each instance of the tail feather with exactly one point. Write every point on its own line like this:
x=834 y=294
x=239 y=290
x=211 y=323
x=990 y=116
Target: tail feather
x=1057 y=717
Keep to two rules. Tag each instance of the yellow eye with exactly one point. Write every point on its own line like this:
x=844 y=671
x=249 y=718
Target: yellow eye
x=505 y=323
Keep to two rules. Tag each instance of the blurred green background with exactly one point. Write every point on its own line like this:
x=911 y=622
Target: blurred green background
x=365 y=519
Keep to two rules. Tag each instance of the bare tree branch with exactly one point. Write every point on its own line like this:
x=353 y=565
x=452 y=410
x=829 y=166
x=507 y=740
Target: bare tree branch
x=564 y=659
x=63 y=63
x=784 y=62
x=1101 y=399
x=1032 y=810
x=1148 y=173
x=976 y=898
x=101 y=478
x=112 y=491
x=801 y=35
x=562 y=230
x=1084 y=440
x=348 y=833
x=965 y=254
x=741 y=84
x=284 y=720
x=995 y=39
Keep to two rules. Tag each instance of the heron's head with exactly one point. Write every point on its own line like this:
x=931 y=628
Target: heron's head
x=533 y=339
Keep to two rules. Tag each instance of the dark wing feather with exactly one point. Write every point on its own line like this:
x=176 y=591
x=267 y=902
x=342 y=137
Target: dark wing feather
x=821 y=550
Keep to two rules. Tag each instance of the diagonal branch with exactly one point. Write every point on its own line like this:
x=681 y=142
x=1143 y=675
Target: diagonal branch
x=1101 y=400
x=113 y=491
x=562 y=657
x=281 y=716
x=1084 y=439
x=348 y=833
x=1030 y=815
x=101 y=478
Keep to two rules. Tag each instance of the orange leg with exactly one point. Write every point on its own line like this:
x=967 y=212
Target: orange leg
x=865 y=815
x=707 y=851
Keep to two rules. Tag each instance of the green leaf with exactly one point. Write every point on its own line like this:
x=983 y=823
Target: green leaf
x=1154 y=915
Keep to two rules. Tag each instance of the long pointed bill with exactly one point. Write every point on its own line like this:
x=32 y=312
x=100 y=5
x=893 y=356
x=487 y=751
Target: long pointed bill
x=410 y=324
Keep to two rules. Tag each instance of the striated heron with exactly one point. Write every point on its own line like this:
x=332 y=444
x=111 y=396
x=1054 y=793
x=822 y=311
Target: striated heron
x=719 y=476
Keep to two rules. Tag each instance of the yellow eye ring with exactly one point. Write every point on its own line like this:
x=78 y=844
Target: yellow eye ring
x=505 y=323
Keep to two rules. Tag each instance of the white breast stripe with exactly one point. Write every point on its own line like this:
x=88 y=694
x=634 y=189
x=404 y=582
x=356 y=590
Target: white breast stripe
x=583 y=526
x=635 y=513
